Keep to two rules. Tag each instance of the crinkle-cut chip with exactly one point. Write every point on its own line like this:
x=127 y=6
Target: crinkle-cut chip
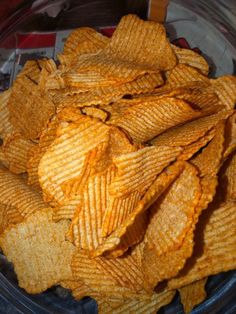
x=215 y=239
x=9 y=215
x=86 y=227
x=128 y=54
x=150 y=305
x=193 y=294
x=16 y=150
x=132 y=228
x=90 y=79
x=48 y=68
x=6 y=127
x=111 y=277
x=54 y=83
x=168 y=265
x=78 y=288
x=34 y=246
x=146 y=120
x=229 y=178
x=230 y=135
x=191 y=58
x=194 y=147
x=65 y=158
x=29 y=109
x=14 y=191
x=118 y=209
x=3 y=160
x=67 y=210
x=95 y=113
x=172 y=214
x=208 y=161
x=105 y=95
x=225 y=88
x=183 y=74
x=137 y=170
x=137 y=252
x=190 y=132
x=31 y=70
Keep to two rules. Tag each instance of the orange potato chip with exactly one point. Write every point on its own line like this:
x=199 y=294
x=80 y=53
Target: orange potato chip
x=17 y=151
x=9 y=215
x=146 y=120
x=230 y=135
x=193 y=294
x=15 y=192
x=24 y=244
x=225 y=88
x=229 y=178
x=128 y=54
x=31 y=70
x=95 y=113
x=182 y=75
x=133 y=229
x=150 y=305
x=190 y=132
x=215 y=243
x=29 y=109
x=208 y=161
x=191 y=58
x=6 y=126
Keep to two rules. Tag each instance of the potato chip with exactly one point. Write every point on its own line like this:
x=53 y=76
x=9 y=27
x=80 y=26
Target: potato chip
x=172 y=214
x=151 y=305
x=120 y=277
x=16 y=151
x=194 y=147
x=215 y=244
x=15 y=192
x=6 y=126
x=191 y=58
x=29 y=109
x=146 y=120
x=31 y=69
x=132 y=230
x=137 y=170
x=95 y=113
x=193 y=294
x=24 y=243
x=48 y=67
x=229 y=178
x=128 y=54
x=190 y=132
x=182 y=75
x=230 y=135
x=208 y=161
x=67 y=154
x=9 y=215
x=86 y=228
x=225 y=87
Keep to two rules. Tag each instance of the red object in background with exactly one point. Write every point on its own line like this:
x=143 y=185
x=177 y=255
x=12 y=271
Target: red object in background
x=107 y=31
x=25 y=41
x=182 y=43
x=8 y=7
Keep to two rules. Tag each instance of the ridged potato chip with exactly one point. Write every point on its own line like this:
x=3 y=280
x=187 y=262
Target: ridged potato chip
x=32 y=70
x=228 y=179
x=192 y=58
x=146 y=120
x=9 y=215
x=6 y=127
x=29 y=109
x=215 y=245
x=230 y=135
x=95 y=113
x=193 y=294
x=24 y=244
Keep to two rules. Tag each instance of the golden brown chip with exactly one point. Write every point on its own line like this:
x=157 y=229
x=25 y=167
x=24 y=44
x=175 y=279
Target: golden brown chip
x=120 y=277
x=146 y=120
x=6 y=126
x=39 y=252
x=225 y=88
x=150 y=305
x=215 y=245
x=48 y=69
x=191 y=58
x=29 y=109
x=65 y=158
x=229 y=179
x=133 y=229
x=137 y=170
x=95 y=113
x=193 y=294
x=9 y=215
x=183 y=74
x=16 y=150
x=67 y=210
x=128 y=54
x=190 y=132
x=31 y=70
x=208 y=161
x=15 y=192
x=230 y=135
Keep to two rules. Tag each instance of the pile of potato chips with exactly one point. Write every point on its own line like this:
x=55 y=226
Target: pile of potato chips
x=118 y=175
